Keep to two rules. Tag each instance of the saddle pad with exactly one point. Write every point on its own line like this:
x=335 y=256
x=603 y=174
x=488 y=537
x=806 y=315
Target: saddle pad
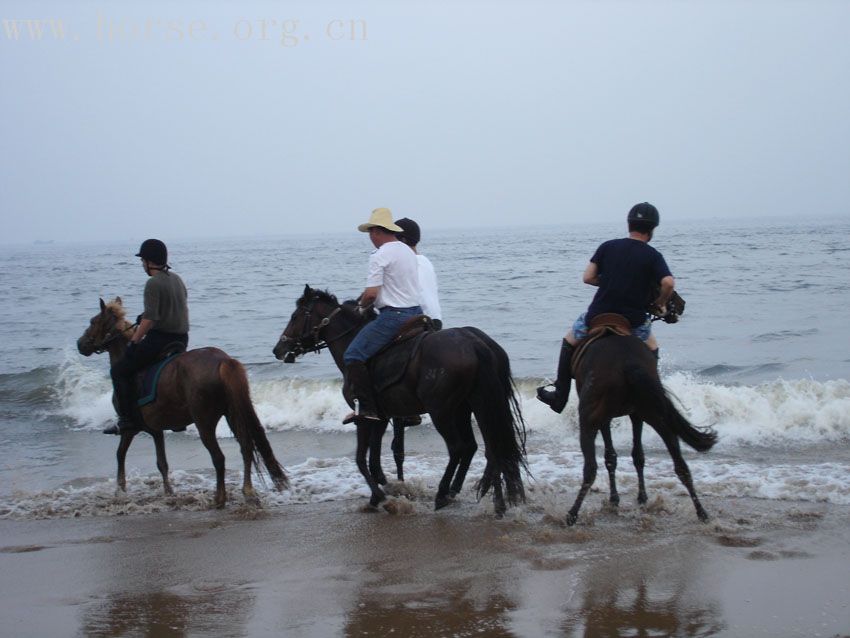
x=388 y=366
x=150 y=377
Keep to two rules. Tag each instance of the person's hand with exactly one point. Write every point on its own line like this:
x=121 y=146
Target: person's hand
x=659 y=311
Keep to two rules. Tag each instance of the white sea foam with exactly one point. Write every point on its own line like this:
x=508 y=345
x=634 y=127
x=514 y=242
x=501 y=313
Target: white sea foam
x=556 y=478
x=801 y=411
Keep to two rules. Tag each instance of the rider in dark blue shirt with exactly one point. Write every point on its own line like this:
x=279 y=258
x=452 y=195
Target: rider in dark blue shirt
x=627 y=272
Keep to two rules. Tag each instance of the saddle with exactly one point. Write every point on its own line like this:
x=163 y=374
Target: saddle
x=389 y=364
x=148 y=378
x=602 y=325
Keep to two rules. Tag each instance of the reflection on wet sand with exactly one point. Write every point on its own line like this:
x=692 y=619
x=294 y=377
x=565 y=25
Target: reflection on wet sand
x=169 y=615
x=443 y=609
x=644 y=595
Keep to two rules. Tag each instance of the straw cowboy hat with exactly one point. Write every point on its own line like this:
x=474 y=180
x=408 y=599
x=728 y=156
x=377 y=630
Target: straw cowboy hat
x=383 y=218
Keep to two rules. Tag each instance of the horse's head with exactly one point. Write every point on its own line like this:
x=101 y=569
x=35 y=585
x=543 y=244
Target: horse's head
x=104 y=328
x=306 y=330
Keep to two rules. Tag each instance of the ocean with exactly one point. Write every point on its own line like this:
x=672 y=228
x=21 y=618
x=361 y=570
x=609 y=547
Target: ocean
x=761 y=354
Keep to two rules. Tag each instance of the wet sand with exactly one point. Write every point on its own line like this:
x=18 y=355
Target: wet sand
x=758 y=568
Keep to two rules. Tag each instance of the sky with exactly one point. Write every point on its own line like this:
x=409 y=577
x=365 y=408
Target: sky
x=216 y=119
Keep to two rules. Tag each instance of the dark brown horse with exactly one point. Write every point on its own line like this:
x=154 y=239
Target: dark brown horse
x=454 y=374
x=199 y=386
x=618 y=376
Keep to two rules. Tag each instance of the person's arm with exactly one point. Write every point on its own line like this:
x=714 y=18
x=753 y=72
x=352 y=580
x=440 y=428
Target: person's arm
x=668 y=285
x=144 y=326
x=591 y=274
x=368 y=297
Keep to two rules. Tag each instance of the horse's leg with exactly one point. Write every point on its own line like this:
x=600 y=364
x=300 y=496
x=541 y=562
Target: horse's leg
x=444 y=423
x=588 y=450
x=683 y=471
x=248 y=492
x=610 y=463
x=161 y=461
x=364 y=434
x=397 y=447
x=121 y=454
x=638 y=458
x=206 y=429
x=468 y=447
x=376 y=440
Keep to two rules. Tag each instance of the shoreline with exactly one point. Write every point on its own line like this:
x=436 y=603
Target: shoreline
x=758 y=568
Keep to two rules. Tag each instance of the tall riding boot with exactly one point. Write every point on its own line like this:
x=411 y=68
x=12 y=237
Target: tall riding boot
x=360 y=385
x=557 y=398
x=126 y=410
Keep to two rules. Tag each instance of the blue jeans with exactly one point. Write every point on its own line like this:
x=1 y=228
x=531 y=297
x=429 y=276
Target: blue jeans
x=378 y=333
x=642 y=332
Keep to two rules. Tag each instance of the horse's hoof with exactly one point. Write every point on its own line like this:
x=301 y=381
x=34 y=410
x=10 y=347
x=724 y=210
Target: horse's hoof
x=571 y=519
x=614 y=502
x=642 y=499
x=702 y=515
x=440 y=502
x=377 y=500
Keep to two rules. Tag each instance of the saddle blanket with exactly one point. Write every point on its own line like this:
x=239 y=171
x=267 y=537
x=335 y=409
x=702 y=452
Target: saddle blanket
x=149 y=378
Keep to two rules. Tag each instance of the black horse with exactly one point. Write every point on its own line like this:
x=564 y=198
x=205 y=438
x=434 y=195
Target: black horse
x=453 y=374
x=617 y=376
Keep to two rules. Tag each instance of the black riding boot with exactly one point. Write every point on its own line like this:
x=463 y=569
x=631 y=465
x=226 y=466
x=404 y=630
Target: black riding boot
x=557 y=398
x=360 y=385
x=126 y=397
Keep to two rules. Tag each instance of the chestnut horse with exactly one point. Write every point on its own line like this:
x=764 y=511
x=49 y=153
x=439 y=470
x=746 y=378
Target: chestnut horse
x=618 y=376
x=453 y=374
x=199 y=386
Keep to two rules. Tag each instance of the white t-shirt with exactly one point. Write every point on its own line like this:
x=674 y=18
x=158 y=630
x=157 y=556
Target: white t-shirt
x=395 y=269
x=428 y=298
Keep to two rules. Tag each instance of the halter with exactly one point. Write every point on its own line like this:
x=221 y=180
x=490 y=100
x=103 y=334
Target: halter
x=111 y=336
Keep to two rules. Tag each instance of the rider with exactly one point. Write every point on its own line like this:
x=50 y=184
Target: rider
x=428 y=296
x=392 y=285
x=165 y=320
x=627 y=271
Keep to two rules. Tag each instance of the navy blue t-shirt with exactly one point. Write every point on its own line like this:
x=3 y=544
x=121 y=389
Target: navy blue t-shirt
x=629 y=270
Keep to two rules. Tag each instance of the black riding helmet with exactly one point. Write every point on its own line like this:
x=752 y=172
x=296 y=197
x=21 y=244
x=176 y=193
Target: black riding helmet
x=644 y=212
x=411 y=233
x=154 y=251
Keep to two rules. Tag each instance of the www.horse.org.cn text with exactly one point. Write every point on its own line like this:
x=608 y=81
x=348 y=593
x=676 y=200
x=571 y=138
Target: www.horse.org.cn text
x=106 y=29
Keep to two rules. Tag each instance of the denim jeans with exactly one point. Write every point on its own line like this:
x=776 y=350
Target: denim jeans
x=642 y=332
x=378 y=333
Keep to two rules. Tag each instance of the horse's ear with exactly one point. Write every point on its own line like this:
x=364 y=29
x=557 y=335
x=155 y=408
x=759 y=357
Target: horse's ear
x=306 y=289
x=118 y=301
x=102 y=305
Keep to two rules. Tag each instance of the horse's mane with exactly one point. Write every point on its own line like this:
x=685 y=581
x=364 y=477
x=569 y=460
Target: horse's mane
x=349 y=306
x=117 y=309
x=320 y=295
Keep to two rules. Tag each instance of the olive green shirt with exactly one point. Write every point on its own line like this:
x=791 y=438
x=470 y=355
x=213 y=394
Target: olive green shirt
x=166 y=302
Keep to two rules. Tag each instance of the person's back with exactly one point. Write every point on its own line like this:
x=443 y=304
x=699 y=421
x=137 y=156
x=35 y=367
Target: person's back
x=628 y=271
x=428 y=293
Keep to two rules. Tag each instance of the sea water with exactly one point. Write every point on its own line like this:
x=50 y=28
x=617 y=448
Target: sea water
x=761 y=355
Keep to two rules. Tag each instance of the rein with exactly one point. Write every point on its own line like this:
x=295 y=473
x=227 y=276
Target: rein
x=319 y=344
x=111 y=336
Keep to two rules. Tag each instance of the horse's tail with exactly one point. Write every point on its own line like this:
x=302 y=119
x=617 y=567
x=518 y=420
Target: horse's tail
x=245 y=424
x=654 y=403
x=496 y=408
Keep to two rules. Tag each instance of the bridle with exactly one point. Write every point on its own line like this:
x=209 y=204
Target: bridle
x=114 y=333
x=313 y=334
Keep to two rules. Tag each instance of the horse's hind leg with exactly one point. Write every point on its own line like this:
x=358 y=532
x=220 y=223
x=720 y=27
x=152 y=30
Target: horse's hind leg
x=376 y=439
x=588 y=450
x=445 y=426
x=161 y=461
x=638 y=457
x=207 y=432
x=683 y=471
x=468 y=447
x=610 y=464
x=121 y=454
x=364 y=436
x=397 y=447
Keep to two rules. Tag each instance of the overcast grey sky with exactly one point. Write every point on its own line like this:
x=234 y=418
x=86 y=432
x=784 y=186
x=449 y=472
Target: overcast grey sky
x=453 y=113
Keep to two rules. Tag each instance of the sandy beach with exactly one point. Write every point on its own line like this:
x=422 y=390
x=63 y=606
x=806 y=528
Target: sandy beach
x=332 y=569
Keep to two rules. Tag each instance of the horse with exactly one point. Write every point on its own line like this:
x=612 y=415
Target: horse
x=453 y=374
x=199 y=386
x=617 y=375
